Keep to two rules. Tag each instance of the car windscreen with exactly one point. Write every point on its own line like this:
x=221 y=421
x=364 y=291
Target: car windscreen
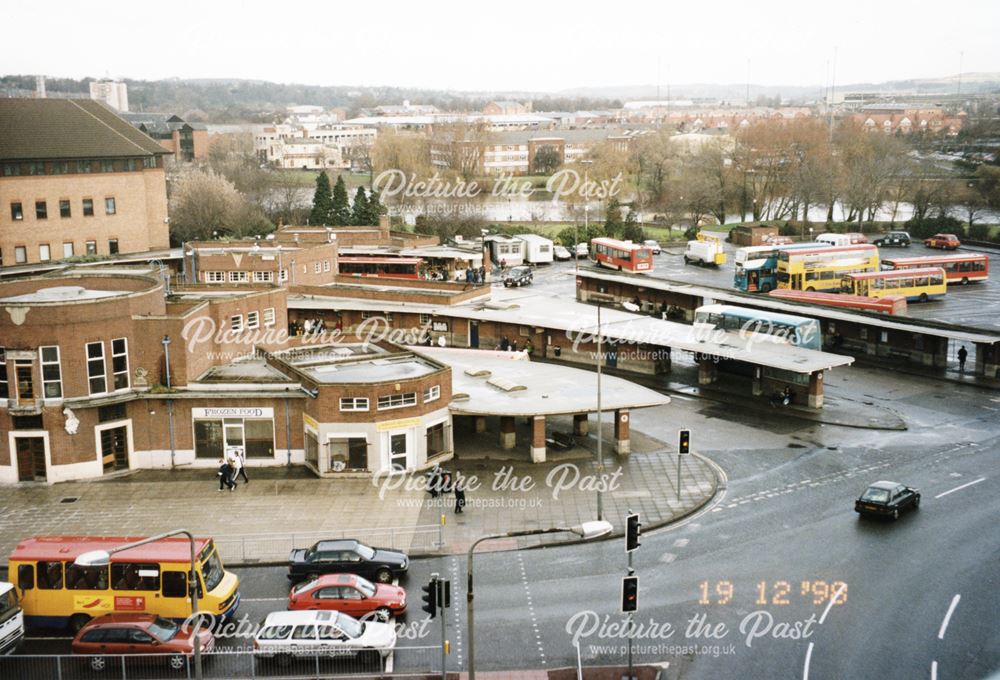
x=163 y=629
x=212 y=572
x=876 y=495
x=366 y=587
x=350 y=626
x=304 y=586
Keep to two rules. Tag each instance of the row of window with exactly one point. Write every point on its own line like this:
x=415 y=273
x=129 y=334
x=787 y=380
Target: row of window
x=85 y=167
x=51 y=370
x=244 y=277
x=253 y=320
x=65 y=208
x=68 y=250
x=390 y=401
x=321 y=266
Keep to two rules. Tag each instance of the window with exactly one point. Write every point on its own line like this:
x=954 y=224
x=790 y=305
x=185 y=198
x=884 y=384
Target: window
x=258 y=438
x=51 y=372
x=16 y=211
x=236 y=323
x=95 y=368
x=366 y=315
x=86 y=578
x=425 y=319
x=130 y=165
x=41 y=210
x=36 y=168
x=269 y=316
x=432 y=393
x=435 y=440
x=109 y=206
x=119 y=363
x=113 y=246
x=67 y=250
x=215 y=277
x=263 y=277
x=50 y=575
x=107 y=166
x=253 y=320
x=11 y=169
x=106 y=414
x=390 y=401
x=326 y=265
x=282 y=276
x=149 y=162
x=88 y=207
x=83 y=167
x=20 y=254
x=175 y=584
x=4 y=385
x=64 y=209
x=317 y=267
x=354 y=403
x=44 y=252
x=238 y=277
x=60 y=168
x=91 y=247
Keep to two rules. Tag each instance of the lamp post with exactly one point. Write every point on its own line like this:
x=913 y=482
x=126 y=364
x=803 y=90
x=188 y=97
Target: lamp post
x=170 y=402
x=587 y=531
x=102 y=558
x=586 y=215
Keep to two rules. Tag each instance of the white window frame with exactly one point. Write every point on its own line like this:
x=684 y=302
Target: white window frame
x=317 y=267
x=425 y=319
x=263 y=277
x=283 y=276
x=269 y=318
x=353 y=404
x=432 y=393
x=3 y=371
x=57 y=363
x=238 y=277
x=326 y=265
x=116 y=355
x=387 y=402
x=253 y=320
x=93 y=375
x=236 y=323
x=215 y=277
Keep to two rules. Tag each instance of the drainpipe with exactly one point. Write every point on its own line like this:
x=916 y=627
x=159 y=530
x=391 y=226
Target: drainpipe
x=170 y=402
x=288 y=436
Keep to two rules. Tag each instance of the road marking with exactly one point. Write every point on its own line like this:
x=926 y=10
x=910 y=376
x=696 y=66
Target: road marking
x=32 y=637
x=933 y=670
x=947 y=617
x=263 y=599
x=809 y=653
x=959 y=488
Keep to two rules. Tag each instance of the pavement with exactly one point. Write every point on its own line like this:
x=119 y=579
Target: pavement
x=286 y=507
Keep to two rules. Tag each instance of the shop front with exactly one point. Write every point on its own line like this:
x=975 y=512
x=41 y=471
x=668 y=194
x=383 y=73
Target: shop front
x=226 y=431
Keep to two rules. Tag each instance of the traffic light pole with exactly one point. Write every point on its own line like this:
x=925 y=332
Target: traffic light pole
x=444 y=632
x=631 y=626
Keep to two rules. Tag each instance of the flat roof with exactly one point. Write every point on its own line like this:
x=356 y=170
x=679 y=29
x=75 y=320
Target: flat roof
x=509 y=384
x=376 y=369
x=64 y=294
x=252 y=371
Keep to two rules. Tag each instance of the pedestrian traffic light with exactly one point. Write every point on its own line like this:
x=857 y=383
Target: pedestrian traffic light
x=684 y=441
x=444 y=593
x=430 y=597
x=630 y=594
x=632 y=532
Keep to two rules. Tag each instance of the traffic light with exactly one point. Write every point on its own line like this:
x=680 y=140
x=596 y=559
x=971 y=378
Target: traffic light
x=630 y=594
x=444 y=593
x=632 y=532
x=684 y=441
x=430 y=597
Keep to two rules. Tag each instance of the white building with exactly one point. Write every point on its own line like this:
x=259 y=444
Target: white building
x=114 y=93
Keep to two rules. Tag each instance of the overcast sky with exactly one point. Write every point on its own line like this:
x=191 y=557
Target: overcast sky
x=503 y=45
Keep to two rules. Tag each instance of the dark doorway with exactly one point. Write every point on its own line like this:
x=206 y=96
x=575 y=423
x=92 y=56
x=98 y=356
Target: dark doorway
x=30 y=459
x=474 y=334
x=114 y=449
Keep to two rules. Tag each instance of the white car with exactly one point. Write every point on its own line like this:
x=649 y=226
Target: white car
x=560 y=253
x=582 y=250
x=323 y=633
x=652 y=245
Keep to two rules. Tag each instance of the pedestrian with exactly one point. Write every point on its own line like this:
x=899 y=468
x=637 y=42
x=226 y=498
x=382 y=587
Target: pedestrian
x=504 y=343
x=240 y=466
x=434 y=480
x=529 y=348
x=459 y=497
x=225 y=475
x=513 y=346
x=963 y=354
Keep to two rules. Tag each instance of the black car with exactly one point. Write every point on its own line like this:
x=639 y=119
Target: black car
x=346 y=556
x=893 y=238
x=887 y=499
x=518 y=276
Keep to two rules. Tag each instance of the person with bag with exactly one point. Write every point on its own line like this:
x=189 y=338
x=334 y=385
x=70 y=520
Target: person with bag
x=226 y=475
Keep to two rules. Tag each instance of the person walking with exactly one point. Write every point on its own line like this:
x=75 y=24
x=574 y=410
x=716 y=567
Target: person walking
x=963 y=354
x=240 y=466
x=226 y=475
x=459 y=497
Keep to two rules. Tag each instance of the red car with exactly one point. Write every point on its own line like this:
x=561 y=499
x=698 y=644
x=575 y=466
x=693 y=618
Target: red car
x=116 y=634
x=944 y=241
x=350 y=594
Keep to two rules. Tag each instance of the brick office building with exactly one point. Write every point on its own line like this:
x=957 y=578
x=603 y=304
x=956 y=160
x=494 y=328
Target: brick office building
x=75 y=179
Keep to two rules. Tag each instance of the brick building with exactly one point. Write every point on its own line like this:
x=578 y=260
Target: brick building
x=75 y=179
x=186 y=141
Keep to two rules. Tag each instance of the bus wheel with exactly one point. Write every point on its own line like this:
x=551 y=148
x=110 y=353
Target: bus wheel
x=965 y=280
x=766 y=288
x=810 y=289
x=923 y=297
x=98 y=663
x=78 y=621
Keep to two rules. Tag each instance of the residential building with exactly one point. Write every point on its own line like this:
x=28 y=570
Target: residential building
x=75 y=179
x=114 y=93
x=188 y=142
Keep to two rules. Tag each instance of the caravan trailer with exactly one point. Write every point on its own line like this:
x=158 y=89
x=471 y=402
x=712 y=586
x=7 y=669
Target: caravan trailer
x=537 y=249
x=506 y=249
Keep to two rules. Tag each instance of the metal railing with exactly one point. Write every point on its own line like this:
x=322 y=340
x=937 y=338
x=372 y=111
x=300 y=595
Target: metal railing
x=255 y=548
x=223 y=664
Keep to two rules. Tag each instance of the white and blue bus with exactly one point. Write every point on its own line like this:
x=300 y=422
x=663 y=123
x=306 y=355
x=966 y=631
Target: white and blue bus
x=757 y=266
x=11 y=619
x=794 y=330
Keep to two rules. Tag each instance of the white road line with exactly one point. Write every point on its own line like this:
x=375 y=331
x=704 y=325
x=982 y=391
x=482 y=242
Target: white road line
x=805 y=670
x=933 y=670
x=959 y=488
x=947 y=617
x=264 y=599
x=33 y=637
x=829 y=605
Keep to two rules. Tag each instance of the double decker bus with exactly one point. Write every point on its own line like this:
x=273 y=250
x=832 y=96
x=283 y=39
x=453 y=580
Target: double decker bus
x=822 y=269
x=757 y=266
x=961 y=268
x=148 y=579
x=11 y=619
x=913 y=284
x=385 y=267
x=793 y=330
x=623 y=255
x=894 y=305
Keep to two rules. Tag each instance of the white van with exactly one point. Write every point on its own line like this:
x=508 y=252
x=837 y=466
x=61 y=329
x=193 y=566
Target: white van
x=291 y=634
x=835 y=239
x=11 y=619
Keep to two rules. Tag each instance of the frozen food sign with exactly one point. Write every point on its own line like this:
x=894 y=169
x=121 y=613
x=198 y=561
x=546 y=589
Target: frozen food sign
x=233 y=412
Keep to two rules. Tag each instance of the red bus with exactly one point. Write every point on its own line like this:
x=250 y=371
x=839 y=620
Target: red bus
x=959 y=267
x=894 y=305
x=623 y=255
x=387 y=267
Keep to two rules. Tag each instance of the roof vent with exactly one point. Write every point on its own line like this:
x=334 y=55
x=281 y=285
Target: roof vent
x=478 y=372
x=505 y=384
x=460 y=396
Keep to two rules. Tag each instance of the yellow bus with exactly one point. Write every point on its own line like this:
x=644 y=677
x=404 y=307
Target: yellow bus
x=148 y=579
x=821 y=269
x=922 y=284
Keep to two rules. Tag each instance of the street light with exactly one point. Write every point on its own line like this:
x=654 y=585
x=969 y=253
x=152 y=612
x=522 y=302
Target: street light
x=587 y=531
x=102 y=558
x=586 y=217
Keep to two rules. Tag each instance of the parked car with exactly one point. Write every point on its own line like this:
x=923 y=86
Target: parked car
x=284 y=636
x=346 y=555
x=834 y=239
x=857 y=238
x=777 y=240
x=349 y=594
x=582 y=250
x=518 y=276
x=561 y=253
x=116 y=634
x=887 y=499
x=654 y=246
x=893 y=238
x=943 y=241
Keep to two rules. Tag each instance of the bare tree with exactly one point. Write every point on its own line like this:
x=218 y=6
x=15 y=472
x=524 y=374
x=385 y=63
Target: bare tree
x=204 y=204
